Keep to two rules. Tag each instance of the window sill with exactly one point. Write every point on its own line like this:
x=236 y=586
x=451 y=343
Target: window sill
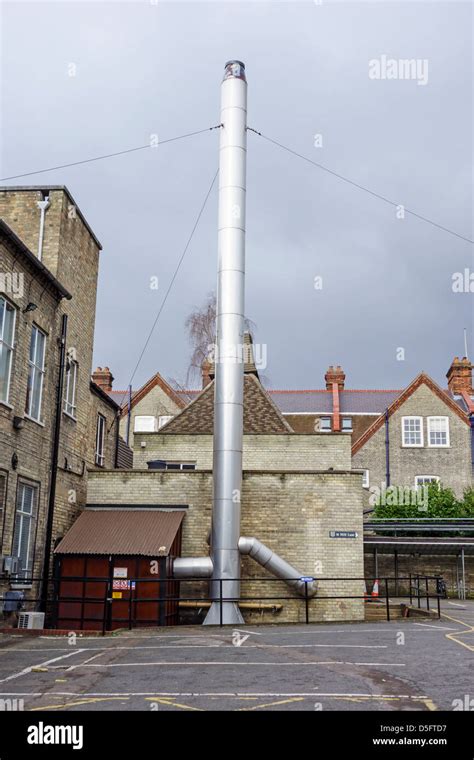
x=439 y=446
x=71 y=417
x=412 y=446
x=32 y=419
x=6 y=404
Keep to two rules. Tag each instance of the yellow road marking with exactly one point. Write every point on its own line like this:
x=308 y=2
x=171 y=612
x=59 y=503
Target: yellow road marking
x=451 y=636
x=270 y=704
x=88 y=701
x=170 y=701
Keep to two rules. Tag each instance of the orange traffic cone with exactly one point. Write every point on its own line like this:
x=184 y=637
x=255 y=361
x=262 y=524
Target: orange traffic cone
x=375 y=590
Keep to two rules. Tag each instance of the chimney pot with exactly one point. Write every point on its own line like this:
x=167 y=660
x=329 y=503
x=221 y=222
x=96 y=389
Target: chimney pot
x=335 y=375
x=103 y=378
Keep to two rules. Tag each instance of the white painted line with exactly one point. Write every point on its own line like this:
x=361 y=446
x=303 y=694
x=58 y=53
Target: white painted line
x=210 y=646
x=25 y=671
x=208 y=694
x=247 y=632
x=461 y=606
x=438 y=627
x=73 y=667
x=232 y=663
x=391 y=664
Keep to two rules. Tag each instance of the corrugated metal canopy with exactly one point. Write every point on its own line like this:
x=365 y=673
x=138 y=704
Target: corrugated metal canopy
x=420 y=545
x=136 y=532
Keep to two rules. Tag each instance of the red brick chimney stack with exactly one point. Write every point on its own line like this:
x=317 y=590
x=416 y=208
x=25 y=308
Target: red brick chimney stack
x=335 y=375
x=103 y=378
x=460 y=376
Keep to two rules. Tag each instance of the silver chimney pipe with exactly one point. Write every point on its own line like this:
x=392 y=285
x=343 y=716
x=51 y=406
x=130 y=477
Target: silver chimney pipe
x=229 y=367
x=223 y=565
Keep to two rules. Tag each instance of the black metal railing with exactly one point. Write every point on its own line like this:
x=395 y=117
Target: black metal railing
x=422 y=590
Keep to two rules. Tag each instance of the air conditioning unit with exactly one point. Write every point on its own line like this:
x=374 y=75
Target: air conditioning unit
x=31 y=620
x=10 y=565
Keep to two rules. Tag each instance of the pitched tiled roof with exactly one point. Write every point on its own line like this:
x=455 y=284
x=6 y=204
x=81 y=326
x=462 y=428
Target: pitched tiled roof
x=261 y=415
x=320 y=401
x=420 y=380
x=121 y=397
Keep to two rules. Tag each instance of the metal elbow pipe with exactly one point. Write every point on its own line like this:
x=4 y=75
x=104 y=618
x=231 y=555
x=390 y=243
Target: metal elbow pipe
x=192 y=567
x=277 y=566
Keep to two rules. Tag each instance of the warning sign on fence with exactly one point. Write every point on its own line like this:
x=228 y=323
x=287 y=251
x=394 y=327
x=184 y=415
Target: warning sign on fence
x=120 y=585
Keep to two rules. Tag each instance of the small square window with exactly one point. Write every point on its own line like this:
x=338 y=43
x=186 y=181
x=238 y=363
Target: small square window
x=325 y=424
x=347 y=424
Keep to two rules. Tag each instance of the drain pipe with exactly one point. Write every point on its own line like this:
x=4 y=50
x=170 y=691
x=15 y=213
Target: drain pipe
x=276 y=565
x=387 y=450
x=43 y=595
x=43 y=207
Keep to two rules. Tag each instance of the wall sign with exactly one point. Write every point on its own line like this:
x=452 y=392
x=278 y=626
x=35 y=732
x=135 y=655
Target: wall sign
x=343 y=534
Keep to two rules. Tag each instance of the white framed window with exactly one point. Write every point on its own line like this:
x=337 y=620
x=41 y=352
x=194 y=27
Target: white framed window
x=347 y=424
x=100 y=440
x=25 y=526
x=412 y=431
x=163 y=419
x=144 y=423
x=71 y=389
x=325 y=424
x=438 y=432
x=34 y=391
x=365 y=479
x=7 y=337
x=424 y=480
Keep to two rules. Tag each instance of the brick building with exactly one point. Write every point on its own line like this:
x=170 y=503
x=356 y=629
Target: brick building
x=48 y=268
x=299 y=495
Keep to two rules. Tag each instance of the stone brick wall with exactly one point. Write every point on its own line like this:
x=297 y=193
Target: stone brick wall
x=32 y=444
x=260 y=452
x=292 y=512
x=71 y=253
x=452 y=465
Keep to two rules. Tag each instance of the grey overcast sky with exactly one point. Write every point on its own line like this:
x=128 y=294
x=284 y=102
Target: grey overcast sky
x=147 y=68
